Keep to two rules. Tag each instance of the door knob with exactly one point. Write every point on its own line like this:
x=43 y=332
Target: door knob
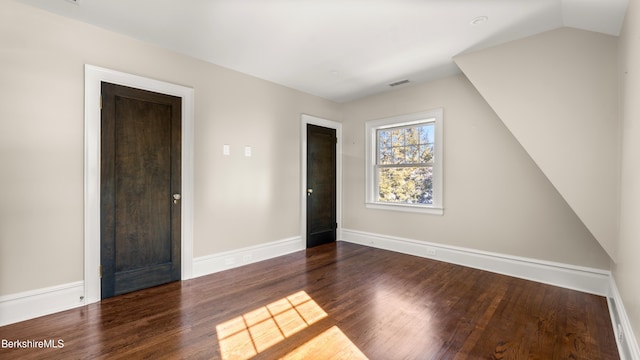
x=176 y=197
x=309 y=192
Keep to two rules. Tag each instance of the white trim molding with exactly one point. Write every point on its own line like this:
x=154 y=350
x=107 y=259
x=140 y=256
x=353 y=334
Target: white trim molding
x=34 y=303
x=434 y=116
x=94 y=76
x=45 y=301
x=625 y=337
x=226 y=260
x=589 y=280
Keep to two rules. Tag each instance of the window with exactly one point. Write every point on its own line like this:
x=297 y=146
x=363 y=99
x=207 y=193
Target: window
x=404 y=163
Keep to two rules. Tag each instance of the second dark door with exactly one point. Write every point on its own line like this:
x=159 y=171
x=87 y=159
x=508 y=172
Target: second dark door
x=321 y=185
x=140 y=189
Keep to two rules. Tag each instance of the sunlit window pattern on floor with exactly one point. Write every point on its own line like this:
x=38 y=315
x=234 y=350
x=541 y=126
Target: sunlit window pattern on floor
x=255 y=331
x=331 y=344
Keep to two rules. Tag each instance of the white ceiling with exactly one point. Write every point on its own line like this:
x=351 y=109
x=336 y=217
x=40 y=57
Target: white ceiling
x=337 y=49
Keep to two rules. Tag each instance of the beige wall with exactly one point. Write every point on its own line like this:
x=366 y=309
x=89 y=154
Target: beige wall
x=239 y=201
x=557 y=92
x=627 y=269
x=495 y=197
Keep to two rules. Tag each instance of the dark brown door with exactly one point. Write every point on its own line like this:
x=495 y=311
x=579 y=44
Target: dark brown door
x=140 y=189
x=321 y=185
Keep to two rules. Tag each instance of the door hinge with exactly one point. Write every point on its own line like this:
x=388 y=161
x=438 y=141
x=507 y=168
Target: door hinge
x=101 y=271
x=100 y=102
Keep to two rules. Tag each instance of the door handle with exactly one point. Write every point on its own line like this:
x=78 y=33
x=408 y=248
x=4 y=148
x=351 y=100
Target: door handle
x=309 y=192
x=176 y=197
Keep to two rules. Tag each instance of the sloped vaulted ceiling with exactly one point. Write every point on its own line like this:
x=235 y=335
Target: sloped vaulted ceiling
x=557 y=93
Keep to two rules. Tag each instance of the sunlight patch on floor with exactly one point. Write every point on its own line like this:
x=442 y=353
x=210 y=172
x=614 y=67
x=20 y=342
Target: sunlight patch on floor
x=331 y=344
x=255 y=331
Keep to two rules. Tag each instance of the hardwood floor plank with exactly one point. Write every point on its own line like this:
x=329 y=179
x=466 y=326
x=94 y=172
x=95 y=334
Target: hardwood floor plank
x=336 y=301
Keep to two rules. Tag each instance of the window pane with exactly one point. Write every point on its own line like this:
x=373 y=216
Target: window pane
x=412 y=136
x=427 y=133
x=398 y=155
x=385 y=156
x=397 y=137
x=413 y=154
x=384 y=147
x=406 y=185
x=384 y=137
x=426 y=153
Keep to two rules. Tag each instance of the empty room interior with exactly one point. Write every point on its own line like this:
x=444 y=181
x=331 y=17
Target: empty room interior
x=305 y=179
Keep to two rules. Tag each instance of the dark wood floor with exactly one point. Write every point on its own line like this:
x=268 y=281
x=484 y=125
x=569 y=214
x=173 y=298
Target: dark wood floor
x=336 y=301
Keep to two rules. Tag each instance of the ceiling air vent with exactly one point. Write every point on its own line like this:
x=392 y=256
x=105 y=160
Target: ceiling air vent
x=401 y=82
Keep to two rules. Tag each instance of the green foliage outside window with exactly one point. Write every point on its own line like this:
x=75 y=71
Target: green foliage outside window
x=404 y=164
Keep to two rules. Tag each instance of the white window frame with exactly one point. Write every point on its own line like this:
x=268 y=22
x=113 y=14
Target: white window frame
x=371 y=127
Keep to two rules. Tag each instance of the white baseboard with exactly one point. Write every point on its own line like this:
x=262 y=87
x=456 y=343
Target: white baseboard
x=39 y=302
x=35 y=303
x=589 y=280
x=210 y=264
x=625 y=337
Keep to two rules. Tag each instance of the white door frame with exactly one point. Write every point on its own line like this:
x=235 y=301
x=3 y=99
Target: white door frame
x=94 y=76
x=308 y=119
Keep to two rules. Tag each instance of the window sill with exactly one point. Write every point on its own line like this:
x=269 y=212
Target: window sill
x=406 y=208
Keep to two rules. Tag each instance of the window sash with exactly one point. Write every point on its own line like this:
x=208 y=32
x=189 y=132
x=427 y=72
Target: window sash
x=408 y=195
x=379 y=166
x=411 y=153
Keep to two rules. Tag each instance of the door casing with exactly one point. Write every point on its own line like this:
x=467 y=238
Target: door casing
x=308 y=119
x=94 y=76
